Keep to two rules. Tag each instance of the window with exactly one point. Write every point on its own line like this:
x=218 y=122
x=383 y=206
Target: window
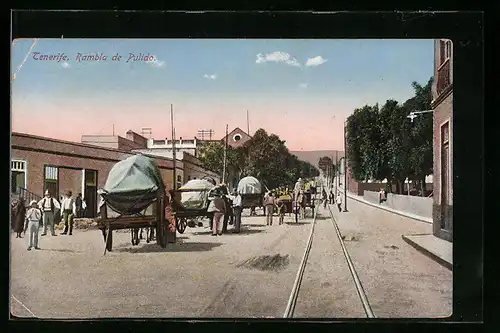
x=90 y=178
x=51 y=173
x=179 y=178
x=189 y=178
x=237 y=137
x=16 y=165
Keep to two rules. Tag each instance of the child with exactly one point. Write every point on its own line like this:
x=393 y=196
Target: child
x=33 y=217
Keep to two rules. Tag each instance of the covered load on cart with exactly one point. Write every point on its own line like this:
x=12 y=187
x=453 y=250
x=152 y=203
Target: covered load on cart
x=251 y=192
x=191 y=201
x=133 y=197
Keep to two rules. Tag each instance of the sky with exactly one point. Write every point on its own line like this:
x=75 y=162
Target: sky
x=301 y=90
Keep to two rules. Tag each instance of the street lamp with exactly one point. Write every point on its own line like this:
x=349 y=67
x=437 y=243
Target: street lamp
x=414 y=114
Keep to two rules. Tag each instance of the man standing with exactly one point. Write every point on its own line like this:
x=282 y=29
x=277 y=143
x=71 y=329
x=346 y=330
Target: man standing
x=48 y=205
x=68 y=211
x=269 y=205
x=332 y=196
x=218 y=207
x=78 y=204
x=237 y=208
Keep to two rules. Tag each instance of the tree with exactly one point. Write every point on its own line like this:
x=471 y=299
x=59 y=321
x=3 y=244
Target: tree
x=212 y=158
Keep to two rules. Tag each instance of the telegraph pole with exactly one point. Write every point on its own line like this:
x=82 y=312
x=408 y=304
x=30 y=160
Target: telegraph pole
x=345 y=165
x=225 y=159
x=174 y=155
x=336 y=172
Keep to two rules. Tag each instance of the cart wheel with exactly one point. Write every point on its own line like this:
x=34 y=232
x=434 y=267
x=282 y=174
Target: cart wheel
x=109 y=245
x=181 y=224
x=161 y=234
x=297 y=213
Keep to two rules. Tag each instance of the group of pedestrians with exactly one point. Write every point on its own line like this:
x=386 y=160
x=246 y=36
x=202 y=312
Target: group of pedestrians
x=44 y=213
x=219 y=209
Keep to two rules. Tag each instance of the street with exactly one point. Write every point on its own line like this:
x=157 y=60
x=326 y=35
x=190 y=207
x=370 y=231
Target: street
x=244 y=275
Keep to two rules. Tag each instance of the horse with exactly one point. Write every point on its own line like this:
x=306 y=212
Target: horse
x=136 y=234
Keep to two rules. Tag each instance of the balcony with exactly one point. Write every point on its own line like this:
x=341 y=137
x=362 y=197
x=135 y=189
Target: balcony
x=444 y=77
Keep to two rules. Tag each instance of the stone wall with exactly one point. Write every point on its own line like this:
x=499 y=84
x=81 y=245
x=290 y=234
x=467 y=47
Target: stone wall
x=420 y=206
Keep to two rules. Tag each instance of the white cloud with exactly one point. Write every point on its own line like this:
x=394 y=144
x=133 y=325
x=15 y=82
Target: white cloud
x=315 y=61
x=303 y=85
x=156 y=63
x=65 y=64
x=277 y=57
x=210 y=77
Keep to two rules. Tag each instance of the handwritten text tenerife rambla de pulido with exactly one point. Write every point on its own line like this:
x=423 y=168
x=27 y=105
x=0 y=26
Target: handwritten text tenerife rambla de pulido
x=80 y=57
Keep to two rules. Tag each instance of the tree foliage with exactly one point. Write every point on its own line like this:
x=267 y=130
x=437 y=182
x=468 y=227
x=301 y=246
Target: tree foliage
x=384 y=144
x=265 y=157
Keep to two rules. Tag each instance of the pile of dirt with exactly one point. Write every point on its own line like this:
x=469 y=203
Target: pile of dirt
x=85 y=223
x=275 y=262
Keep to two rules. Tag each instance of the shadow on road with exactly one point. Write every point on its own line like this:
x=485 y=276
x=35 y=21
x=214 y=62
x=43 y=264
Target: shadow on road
x=178 y=247
x=61 y=250
x=297 y=223
x=231 y=231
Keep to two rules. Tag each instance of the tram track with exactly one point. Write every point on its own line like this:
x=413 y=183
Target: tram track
x=294 y=300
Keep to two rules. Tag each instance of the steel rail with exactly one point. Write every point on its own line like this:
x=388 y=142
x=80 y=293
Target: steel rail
x=357 y=281
x=292 y=301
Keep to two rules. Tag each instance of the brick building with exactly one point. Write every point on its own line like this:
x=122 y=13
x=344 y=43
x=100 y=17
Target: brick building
x=236 y=138
x=442 y=104
x=39 y=163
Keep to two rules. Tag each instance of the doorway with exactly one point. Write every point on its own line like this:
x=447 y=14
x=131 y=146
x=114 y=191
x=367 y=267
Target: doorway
x=446 y=223
x=90 y=193
x=51 y=181
x=18 y=175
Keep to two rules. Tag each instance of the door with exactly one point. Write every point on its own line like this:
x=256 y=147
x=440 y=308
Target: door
x=446 y=215
x=90 y=194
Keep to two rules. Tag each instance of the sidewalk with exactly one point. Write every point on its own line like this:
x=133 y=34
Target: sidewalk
x=405 y=214
x=436 y=248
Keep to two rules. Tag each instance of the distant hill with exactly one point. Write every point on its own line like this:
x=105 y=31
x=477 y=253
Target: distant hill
x=314 y=155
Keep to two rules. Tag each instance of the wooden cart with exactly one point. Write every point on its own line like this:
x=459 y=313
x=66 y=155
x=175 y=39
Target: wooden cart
x=153 y=218
x=306 y=202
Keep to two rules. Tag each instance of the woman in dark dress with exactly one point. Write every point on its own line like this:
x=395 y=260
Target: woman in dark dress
x=19 y=216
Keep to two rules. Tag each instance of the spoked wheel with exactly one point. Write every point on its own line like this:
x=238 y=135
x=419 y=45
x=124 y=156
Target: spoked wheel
x=181 y=224
x=297 y=212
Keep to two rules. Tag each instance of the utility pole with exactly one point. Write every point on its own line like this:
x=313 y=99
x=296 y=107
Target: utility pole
x=113 y=129
x=336 y=172
x=345 y=165
x=225 y=159
x=174 y=155
x=248 y=124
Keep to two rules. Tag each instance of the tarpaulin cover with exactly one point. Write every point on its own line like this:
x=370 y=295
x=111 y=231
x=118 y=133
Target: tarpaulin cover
x=195 y=194
x=249 y=185
x=132 y=185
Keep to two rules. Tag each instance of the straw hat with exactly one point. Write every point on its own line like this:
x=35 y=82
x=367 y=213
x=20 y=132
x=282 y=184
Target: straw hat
x=47 y=192
x=32 y=202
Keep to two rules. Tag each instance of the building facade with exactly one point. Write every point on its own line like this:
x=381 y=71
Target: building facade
x=442 y=104
x=39 y=163
x=190 y=146
x=236 y=138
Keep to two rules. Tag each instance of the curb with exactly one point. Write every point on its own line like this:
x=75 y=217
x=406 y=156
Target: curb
x=414 y=217
x=428 y=253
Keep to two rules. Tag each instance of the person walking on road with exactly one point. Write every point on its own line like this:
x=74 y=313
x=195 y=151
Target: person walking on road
x=237 y=208
x=48 y=205
x=18 y=217
x=218 y=207
x=269 y=205
x=339 y=202
x=332 y=196
x=325 y=198
x=33 y=217
x=68 y=212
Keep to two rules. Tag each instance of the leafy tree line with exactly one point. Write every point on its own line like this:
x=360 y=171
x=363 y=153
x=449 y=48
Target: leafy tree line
x=264 y=157
x=382 y=143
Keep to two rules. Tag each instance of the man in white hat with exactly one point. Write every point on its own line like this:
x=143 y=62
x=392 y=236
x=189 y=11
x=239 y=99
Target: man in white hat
x=48 y=205
x=299 y=186
x=33 y=217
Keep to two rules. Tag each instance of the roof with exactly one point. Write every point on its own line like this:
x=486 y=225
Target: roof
x=85 y=145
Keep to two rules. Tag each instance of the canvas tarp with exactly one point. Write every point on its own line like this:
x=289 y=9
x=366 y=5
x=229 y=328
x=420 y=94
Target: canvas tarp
x=132 y=185
x=249 y=185
x=195 y=194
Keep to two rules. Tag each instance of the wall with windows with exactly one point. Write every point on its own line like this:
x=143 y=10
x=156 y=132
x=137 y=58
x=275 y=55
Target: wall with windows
x=443 y=140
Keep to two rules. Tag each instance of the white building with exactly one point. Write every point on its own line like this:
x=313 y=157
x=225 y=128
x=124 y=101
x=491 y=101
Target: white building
x=159 y=147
